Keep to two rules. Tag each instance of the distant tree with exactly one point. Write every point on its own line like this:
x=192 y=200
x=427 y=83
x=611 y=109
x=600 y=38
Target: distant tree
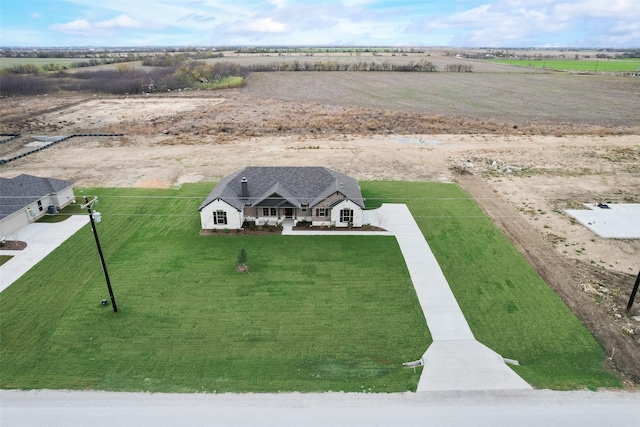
x=459 y=68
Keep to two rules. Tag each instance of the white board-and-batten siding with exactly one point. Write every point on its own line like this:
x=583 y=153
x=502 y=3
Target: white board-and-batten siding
x=235 y=218
x=346 y=204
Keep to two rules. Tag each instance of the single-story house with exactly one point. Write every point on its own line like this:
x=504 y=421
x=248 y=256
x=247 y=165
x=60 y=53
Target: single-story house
x=26 y=198
x=271 y=195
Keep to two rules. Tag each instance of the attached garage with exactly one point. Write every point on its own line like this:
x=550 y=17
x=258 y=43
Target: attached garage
x=26 y=198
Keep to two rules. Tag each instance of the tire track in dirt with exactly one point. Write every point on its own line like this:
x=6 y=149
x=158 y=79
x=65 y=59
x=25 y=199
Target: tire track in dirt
x=562 y=275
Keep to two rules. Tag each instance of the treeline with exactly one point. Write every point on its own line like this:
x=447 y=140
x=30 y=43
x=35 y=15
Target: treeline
x=152 y=60
x=188 y=75
x=298 y=50
x=125 y=80
x=167 y=60
x=542 y=55
x=419 y=66
x=16 y=84
x=105 y=81
x=130 y=53
x=459 y=68
x=52 y=67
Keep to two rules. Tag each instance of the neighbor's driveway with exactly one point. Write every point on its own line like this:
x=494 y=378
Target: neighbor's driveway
x=41 y=239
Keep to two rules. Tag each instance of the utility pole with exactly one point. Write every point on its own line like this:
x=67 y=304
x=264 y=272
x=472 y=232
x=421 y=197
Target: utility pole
x=633 y=293
x=88 y=204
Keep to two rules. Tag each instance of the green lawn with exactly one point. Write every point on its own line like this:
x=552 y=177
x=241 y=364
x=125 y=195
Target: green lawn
x=72 y=209
x=602 y=65
x=313 y=314
x=508 y=306
x=4 y=258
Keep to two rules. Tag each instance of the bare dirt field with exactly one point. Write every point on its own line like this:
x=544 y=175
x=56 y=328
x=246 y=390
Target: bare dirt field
x=523 y=161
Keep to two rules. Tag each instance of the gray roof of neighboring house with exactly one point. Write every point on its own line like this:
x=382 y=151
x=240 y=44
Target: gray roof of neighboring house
x=298 y=186
x=21 y=191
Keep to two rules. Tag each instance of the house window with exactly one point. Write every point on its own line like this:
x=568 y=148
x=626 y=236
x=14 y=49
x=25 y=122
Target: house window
x=265 y=211
x=40 y=208
x=303 y=208
x=322 y=212
x=346 y=215
x=274 y=212
x=219 y=217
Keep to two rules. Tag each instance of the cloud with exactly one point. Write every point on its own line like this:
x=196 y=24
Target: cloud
x=459 y=22
x=266 y=25
x=279 y=3
x=255 y=27
x=496 y=24
x=36 y=15
x=84 y=27
x=615 y=9
x=526 y=23
x=122 y=21
x=198 y=17
x=79 y=26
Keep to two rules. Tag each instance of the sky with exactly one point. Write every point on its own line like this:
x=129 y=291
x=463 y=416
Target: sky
x=415 y=23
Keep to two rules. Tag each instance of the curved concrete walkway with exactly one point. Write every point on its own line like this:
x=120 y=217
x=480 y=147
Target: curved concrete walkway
x=455 y=360
x=41 y=239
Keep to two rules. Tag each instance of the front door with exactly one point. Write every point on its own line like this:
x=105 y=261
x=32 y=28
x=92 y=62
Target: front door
x=288 y=212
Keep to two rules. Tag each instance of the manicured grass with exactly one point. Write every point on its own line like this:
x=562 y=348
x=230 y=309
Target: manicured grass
x=576 y=65
x=313 y=314
x=72 y=209
x=508 y=306
x=4 y=258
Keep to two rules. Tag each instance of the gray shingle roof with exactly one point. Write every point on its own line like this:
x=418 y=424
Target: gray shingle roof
x=297 y=185
x=18 y=192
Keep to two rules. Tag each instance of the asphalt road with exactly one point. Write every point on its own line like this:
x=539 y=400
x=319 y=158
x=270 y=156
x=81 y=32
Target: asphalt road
x=521 y=408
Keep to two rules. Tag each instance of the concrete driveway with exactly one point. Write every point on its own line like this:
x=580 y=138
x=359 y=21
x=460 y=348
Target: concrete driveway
x=41 y=239
x=455 y=360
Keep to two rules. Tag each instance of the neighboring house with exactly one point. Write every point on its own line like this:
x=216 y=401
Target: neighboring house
x=26 y=198
x=270 y=195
